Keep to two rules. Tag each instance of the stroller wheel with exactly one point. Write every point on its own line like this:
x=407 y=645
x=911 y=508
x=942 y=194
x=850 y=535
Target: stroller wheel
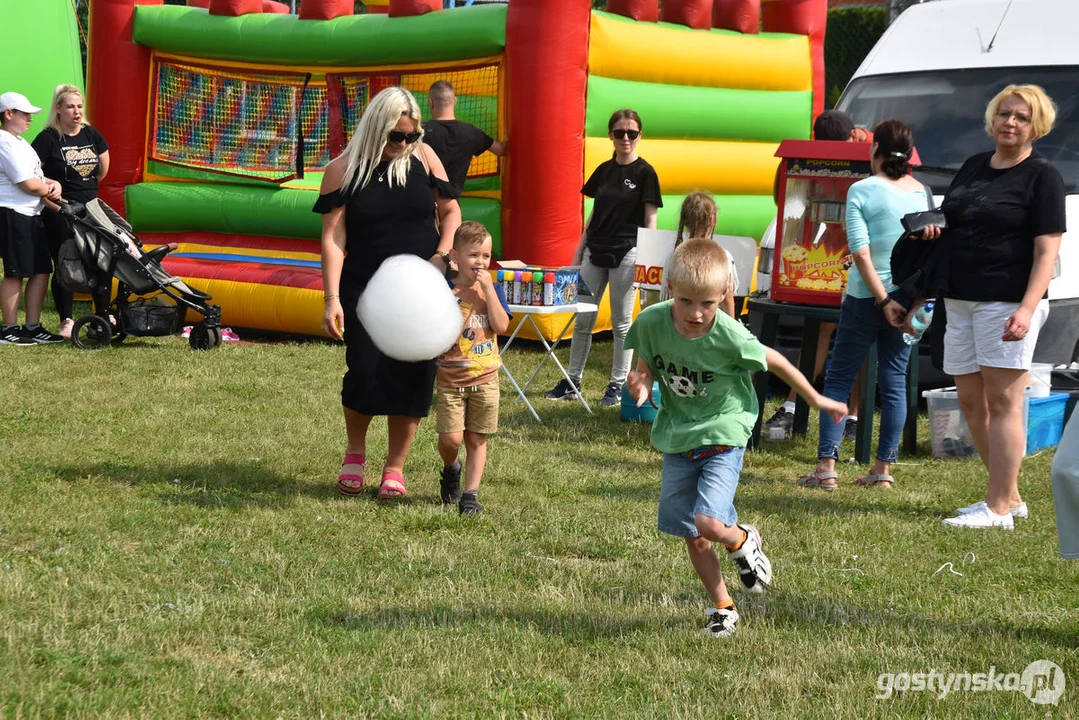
x=204 y=338
x=91 y=332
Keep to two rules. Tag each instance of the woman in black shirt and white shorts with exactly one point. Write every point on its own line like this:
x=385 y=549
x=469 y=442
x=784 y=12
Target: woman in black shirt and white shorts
x=627 y=197
x=1006 y=215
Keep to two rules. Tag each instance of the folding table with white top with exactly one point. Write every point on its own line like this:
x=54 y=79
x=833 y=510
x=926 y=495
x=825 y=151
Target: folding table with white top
x=529 y=312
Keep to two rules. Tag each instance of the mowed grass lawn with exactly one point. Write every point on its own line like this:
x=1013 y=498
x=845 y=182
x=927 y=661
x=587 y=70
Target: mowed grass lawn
x=172 y=545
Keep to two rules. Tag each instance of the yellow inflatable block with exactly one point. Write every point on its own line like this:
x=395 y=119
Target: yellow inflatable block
x=671 y=55
x=721 y=167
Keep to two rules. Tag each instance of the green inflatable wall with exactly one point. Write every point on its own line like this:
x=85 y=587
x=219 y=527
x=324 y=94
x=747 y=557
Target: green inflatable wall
x=41 y=51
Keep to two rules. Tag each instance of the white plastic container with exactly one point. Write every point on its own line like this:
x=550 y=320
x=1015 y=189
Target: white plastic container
x=1041 y=378
x=948 y=430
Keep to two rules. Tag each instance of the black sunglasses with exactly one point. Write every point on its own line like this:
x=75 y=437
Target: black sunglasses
x=396 y=136
x=623 y=134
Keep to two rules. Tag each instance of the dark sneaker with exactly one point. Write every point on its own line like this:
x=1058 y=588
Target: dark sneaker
x=469 y=505
x=722 y=623
x=41 y=336
x=450 y=484
x=562 y=391
x=783 y=419
x=613 y=395
x=13 y=336
x=754 y=567
x=850 y=431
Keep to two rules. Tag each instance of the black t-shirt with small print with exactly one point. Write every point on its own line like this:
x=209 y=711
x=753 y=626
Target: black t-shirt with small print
x=620 y=192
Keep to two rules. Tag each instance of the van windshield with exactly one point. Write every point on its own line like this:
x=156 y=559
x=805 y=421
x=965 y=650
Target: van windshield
x=946 y=111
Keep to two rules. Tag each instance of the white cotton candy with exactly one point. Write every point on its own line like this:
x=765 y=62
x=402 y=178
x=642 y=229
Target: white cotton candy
x=409 y=310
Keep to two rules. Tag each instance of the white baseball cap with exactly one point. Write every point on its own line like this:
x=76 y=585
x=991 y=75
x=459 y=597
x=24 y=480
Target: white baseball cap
x=17 y=101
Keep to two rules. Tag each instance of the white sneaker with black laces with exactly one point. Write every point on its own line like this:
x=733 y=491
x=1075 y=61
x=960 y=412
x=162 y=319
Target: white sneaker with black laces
x=1019 y=511
x=754 y=567
x=980 y=519
x=721 y=623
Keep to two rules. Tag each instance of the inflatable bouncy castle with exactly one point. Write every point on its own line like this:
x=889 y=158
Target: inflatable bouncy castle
x=220 y=116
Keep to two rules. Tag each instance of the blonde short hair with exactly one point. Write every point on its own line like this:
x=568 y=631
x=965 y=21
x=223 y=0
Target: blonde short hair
x=1043 y=111
x=470 y=232
x=698 y=266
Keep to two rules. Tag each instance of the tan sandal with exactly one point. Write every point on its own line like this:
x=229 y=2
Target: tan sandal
x=817 y=480
x=885 y=481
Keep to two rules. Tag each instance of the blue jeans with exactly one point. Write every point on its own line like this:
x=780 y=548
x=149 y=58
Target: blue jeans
x=860 y=324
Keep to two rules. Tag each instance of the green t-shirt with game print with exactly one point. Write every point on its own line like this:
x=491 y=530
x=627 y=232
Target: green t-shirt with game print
x=706 y=387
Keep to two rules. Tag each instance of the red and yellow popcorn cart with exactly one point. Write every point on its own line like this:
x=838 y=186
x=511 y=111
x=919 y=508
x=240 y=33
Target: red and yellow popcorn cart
x=811 y=259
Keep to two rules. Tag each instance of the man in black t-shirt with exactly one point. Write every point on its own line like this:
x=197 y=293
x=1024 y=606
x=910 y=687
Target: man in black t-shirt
x=454 y=141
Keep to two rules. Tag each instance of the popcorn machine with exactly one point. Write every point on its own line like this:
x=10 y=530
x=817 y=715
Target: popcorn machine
x=811 y=259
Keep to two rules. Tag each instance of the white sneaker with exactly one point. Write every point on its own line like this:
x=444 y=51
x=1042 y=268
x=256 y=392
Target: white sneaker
x=754 y=567
x=983 y=518
x=1017 y=512
x=721 y=623
x=66 y=326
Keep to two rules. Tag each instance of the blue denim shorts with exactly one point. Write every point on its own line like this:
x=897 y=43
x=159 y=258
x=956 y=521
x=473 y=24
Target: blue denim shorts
x=698 y=487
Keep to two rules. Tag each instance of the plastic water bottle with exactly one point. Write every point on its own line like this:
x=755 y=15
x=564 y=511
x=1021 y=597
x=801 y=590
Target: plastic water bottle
x=921 y=320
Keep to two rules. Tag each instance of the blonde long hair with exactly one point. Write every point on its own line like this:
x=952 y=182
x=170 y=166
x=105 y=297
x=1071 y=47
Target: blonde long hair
x=364 y=151
x=58 y=94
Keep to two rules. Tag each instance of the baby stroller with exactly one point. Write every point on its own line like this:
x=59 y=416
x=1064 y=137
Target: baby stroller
x=103 y=247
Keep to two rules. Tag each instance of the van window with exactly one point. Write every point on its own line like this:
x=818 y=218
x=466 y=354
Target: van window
x=946 y=111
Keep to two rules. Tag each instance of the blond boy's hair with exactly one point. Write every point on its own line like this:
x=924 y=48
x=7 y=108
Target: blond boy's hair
x=470 y=233
x=698 y=266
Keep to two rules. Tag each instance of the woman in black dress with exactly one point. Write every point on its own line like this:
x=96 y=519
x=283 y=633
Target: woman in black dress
x=387 y=194
x=77 y=156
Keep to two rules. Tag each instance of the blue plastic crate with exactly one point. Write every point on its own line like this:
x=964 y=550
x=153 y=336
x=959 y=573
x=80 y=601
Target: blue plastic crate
x=1045 y=424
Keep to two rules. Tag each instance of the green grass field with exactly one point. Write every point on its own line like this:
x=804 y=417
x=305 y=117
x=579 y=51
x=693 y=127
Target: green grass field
x=172 y=545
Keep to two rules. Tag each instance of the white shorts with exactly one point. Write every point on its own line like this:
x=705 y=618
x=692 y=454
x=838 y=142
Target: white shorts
x=972 y=339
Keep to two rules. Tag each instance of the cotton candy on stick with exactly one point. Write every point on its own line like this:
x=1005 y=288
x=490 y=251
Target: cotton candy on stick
x=409 y=310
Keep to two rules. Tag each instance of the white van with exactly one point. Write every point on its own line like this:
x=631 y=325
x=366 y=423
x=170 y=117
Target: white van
x=937 y=67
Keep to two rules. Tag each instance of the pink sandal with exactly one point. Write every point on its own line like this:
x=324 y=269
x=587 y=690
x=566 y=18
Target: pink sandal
x=392 y=486
x=350 y=482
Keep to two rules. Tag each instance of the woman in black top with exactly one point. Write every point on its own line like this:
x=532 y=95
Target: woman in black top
x=1006 y=215
x=380 y=198
x=75 y=155
x=627 y=197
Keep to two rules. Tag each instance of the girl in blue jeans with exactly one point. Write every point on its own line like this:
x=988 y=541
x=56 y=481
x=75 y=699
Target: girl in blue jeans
x=872 y=310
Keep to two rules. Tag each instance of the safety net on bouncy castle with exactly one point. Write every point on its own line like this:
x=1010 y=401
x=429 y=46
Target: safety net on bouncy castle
x=272 y=125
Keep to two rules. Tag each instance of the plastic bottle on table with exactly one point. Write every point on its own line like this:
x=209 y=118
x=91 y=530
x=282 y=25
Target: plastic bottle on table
x=536 y=286
x=923 y=317
x=548 y=289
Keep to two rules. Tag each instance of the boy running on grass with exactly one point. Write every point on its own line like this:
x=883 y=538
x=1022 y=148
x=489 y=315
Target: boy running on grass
x=467 y=374
x=703 y=360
